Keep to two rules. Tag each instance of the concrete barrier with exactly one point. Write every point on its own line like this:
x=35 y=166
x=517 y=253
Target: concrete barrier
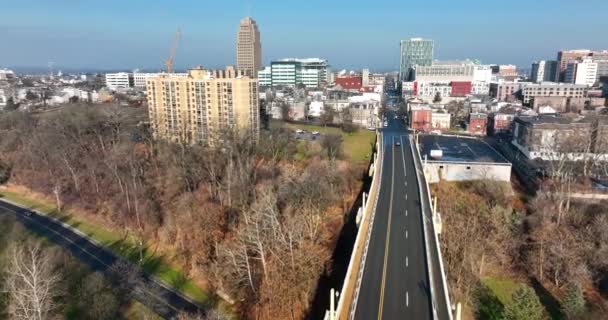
x=350 y=290
x=418 y=165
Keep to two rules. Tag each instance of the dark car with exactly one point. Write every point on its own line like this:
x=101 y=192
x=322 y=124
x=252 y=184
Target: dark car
x=28 y=213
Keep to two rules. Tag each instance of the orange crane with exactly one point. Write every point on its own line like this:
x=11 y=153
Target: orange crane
x=169 y=62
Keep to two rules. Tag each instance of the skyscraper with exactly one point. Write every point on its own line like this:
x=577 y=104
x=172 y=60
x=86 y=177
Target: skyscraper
x=416 y=51
x=545 y=70
x=249 y=47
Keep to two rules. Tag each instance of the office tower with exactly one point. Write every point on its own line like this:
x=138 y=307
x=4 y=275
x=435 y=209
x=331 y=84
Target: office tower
x=544 y=70
x=581 y=72
x=565 y=57
x=205 y=105
x=249 y=47
x=416 y=51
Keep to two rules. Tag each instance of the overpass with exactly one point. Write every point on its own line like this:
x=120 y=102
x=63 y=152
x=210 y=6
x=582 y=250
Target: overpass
x=396 y=270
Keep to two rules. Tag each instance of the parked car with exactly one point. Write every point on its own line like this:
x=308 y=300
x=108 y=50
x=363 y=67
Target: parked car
x=398 y=144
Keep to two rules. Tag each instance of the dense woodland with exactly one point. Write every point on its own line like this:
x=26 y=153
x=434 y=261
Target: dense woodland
x=556 y=245
x=245 y=219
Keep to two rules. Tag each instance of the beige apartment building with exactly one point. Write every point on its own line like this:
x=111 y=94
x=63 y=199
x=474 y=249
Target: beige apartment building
x=249 y=47
x=203 y=106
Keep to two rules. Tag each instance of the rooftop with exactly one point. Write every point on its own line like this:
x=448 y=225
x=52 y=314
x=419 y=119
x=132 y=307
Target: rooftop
x=459 y=149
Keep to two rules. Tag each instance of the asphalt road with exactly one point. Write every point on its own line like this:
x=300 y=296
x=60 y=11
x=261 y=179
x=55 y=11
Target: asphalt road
x=148 y=291
x=395 y=282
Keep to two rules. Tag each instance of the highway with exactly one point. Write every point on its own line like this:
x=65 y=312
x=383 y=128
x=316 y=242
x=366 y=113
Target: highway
x=395 y=283
x=157 y=296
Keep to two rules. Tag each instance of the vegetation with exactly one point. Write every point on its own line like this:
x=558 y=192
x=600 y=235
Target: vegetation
x=555 y=245
x=41 y=281
x=525 y=306
x=357 y=145
x=246 y=220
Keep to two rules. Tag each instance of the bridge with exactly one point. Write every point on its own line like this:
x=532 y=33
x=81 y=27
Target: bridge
x=396 y=270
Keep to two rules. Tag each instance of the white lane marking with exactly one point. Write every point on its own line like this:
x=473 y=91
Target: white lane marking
x=407 y=261
x=407 y=298
x=406 y=234
x=406 y=212
x=406 y=196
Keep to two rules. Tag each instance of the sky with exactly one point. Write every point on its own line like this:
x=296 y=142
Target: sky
x=129 y=34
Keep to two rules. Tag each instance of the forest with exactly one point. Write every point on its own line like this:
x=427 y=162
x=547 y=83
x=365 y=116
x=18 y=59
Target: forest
x=248 y=220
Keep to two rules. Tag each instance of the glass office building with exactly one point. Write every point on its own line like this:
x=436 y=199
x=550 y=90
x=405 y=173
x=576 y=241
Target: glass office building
x=416 y=51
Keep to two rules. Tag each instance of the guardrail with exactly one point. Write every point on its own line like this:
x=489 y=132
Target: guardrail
x=350 y=290
x=417 y=165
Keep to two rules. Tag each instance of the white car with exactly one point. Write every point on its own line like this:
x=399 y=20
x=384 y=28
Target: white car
x=299 y=131
x=315 y=133
x=385 y=124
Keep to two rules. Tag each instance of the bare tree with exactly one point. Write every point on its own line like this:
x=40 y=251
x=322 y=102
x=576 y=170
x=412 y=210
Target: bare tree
x=31 y=282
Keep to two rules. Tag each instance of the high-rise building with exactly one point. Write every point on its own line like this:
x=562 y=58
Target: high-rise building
x=544 y=70
x=581 y=72
x=416 y=51
x=565 y=57
x=249 y=47
x=203 y=106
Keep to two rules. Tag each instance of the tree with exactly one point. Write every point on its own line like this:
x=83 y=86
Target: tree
x=11 y=105
x=524 y=306
x=332 y=144
x=327 y=117
x=97 y=299
x=31 y=282
x=573 y=304
x=347 y=121
x=5 y=172
x=437 y=98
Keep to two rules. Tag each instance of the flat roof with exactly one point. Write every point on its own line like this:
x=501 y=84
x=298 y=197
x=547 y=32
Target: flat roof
x=459 y=149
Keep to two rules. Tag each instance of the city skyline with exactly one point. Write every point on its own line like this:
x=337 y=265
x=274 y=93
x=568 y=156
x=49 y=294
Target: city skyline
x=140 y=34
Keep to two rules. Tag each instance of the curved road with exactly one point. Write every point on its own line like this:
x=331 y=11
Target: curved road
x=149 y=291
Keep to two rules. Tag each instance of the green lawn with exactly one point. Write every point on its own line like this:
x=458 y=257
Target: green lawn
x=357 y=145
x=137 y=311
x=122 y=244
x=502 y=288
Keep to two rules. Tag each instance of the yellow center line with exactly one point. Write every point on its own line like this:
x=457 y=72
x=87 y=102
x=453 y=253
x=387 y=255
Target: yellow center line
x=388 y=232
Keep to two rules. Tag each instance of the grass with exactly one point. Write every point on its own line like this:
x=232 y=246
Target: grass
x=357 y=145
x=502 y=288
x=137 y=311
x=122 y=244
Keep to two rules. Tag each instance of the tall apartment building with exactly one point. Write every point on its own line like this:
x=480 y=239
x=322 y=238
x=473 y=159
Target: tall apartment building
x=290 y=72
x=582 y=72
x=416 y=51
x=545 y=70
x=202 y=106
x=249 y=47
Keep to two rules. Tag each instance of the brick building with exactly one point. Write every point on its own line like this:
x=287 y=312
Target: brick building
x=421 y=118
x=461 y=88
x=478 y=124
x=500 y=122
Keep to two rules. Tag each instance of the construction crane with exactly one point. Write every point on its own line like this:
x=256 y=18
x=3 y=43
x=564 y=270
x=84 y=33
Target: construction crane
x=169 y=61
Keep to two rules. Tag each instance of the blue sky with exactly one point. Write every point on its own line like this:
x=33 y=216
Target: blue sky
x=129 y=34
